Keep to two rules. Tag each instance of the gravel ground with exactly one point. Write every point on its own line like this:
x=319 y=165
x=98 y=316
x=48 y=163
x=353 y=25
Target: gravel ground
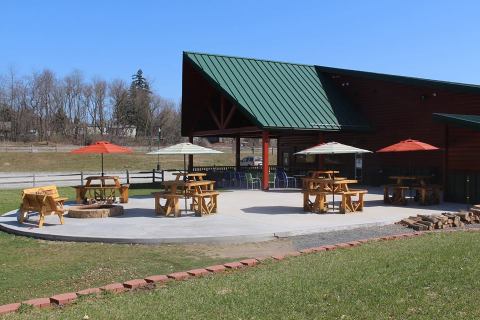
x=334 y=237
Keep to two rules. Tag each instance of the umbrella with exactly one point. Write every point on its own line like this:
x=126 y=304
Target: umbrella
x=185 y=148
x=332 y=148
x=408 y=145
x=101 y=147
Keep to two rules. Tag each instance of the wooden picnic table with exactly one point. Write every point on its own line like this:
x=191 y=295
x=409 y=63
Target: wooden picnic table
x=204 y=198
x=399 y=190
x=101 y=188
x=321 y=187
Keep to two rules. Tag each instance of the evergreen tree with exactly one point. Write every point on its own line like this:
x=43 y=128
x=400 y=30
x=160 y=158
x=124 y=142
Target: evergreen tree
x=139 y=82
x=139 y=103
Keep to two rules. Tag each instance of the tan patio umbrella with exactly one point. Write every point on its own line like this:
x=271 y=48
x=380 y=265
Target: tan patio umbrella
x=184 y=149
x=332 y=148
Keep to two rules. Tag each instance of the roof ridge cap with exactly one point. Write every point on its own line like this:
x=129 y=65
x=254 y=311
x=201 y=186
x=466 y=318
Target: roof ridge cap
x=248 y=58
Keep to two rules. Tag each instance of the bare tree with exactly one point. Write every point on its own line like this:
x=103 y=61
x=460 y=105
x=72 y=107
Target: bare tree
x=42 y=106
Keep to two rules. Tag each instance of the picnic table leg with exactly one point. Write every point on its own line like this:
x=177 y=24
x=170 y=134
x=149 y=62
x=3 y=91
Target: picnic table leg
x=360 y=201
x=423 y=196
x=321 y=203
x=60 y=216
x=215 y=203
x=306 y=206
x=23 y=215
x=42 y=218
x=343 y=205
x=157 y=204
x=123 y=195
x=176 y=207
x=78 y=195
x=386 y=196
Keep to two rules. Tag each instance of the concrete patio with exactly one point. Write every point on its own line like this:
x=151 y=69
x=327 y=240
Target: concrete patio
x=243 y=216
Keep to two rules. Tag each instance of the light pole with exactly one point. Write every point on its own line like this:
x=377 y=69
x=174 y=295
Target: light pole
x=158 y=156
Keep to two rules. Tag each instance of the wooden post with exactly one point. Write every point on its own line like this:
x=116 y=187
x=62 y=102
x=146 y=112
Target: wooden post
x=237 y=152
x=445 y=165
x=320 y=159
x=190 y=156
x=265 y=143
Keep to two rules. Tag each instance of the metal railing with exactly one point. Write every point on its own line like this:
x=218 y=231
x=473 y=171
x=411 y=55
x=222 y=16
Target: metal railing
x=232 y=168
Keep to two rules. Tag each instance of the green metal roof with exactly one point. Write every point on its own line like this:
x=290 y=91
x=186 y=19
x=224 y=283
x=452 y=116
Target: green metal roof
x=463 y=120
x=280 y=95
x=462 y=87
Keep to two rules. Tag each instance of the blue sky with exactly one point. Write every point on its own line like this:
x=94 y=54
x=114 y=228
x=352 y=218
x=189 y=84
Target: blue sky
x=112 y=39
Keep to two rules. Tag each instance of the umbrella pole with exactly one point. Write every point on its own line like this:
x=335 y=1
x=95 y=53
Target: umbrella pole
x=333 y=188
x=185 y=180
x=102 y=165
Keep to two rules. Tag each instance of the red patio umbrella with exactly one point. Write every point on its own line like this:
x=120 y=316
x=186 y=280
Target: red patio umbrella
x=408 y=145
x=101 y=147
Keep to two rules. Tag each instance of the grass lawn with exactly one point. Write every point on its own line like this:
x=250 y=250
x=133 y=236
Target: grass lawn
x=34 y=268
x=430 y=277
x=66 y=162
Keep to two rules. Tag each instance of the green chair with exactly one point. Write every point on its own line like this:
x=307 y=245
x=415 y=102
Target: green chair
x=251 y=180
x=272 y=179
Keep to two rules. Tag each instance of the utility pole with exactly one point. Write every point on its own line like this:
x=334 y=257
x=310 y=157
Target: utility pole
x=158 y=156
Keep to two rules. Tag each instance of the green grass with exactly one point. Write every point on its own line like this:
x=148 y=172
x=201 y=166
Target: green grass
x=430 y=277
x=60 y=161
x=33 y=268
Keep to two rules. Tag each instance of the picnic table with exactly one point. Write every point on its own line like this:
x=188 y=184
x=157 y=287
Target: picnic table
x=102 y=189
x=425 y=193
x=321 y=187
x=204 y=197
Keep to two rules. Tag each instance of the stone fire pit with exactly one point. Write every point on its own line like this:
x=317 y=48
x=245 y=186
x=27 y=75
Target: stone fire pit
x=95 y=211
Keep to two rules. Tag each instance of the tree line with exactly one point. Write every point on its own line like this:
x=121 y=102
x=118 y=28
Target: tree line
x=42 y=106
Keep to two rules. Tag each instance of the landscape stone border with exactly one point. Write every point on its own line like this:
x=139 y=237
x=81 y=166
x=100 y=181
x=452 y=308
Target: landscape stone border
x=151 y=281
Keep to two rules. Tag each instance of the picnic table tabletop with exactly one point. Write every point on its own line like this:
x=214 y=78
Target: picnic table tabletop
x=173 y=186
x=400 y=179
x=333 y=185
x=193 y=175
x=323 y=173
x=102 y=180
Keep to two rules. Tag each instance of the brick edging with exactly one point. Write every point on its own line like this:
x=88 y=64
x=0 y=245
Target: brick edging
x=115 y=288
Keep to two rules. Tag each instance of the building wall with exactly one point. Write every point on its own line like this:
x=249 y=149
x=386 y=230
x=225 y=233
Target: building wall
x=398 y=112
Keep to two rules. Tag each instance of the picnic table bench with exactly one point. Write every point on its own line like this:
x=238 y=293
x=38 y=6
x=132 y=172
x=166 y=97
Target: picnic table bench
x=349 y=204
x=319 y=204
x=105 y=190
x=428 y=194
x=44 y=200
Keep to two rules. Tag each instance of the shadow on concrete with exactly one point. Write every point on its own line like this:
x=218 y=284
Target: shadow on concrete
x=149 y=213
x=274 y=210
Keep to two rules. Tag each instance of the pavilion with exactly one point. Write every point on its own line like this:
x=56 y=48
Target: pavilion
x=303 y=105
